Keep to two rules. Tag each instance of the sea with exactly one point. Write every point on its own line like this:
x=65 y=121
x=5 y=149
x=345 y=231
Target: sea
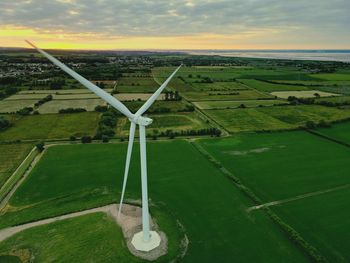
x=319 y=55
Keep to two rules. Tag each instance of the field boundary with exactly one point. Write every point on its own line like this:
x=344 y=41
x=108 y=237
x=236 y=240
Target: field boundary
x=298 y=197
x=291 y=233
x=316 y=133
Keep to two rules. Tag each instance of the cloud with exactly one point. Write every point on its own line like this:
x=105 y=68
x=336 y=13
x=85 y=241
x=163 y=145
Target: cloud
x=282 y=20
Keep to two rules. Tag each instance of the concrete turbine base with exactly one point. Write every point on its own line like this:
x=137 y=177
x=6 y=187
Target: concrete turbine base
x=139 y=244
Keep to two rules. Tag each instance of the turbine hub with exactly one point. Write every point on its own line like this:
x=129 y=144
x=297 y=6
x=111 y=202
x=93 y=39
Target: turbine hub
x=140 y=120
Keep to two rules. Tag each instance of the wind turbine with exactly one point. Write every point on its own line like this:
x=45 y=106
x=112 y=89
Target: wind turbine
x=145 y=240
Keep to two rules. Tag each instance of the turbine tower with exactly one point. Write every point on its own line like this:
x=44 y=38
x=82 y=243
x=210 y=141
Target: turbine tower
x=145 y=240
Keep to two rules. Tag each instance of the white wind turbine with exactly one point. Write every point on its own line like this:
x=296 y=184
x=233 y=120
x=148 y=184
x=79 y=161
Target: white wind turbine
x=145 y=240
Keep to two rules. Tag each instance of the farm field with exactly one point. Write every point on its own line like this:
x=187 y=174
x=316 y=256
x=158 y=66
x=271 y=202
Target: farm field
x=59 y=92
x=243 y=120
x=22 y=97
x=136 y=96
x=226 y=95
x=286 y=164
x=218 y=86
x=10 y=106
x=11 y=155
x=54 y=106
x=323 y=220
x=163 y=122
x=302 y=94
x=338 y=131
x=269 y=87
x=51 y=126
x=96 y=170
x=136 y=85
x=208 y=105
x=300 y=114
x=158 y=106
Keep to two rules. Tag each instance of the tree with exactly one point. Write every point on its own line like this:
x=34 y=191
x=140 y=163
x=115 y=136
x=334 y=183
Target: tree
x=310 y=125
x=4 y=123
x=72 y=138
x=86 y=139
x=40 y=146
x=105 y=138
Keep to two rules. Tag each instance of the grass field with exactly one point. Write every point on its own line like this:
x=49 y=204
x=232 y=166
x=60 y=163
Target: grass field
x=11 y=155
x=218 y=86
x=286 y=164
x=345 y=76
x=59 y=92
x=338 y=131
x=299 y=115
x=22 y=97
x=226 y=95
x=164 y=122
x=78 y=176
x=302 y=94
x=208 y=105
x=269 y=87
x=8 y=106
x=54 y=106
x=136 y=85
x=90 y=238
x=51 y=126
x=136 y=96
x=242 y=120
x=323 y=220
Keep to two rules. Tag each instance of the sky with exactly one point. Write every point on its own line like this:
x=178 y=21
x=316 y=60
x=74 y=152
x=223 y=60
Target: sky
x=176 y=24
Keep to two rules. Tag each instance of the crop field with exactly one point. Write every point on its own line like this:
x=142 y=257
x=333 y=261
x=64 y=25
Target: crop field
x=336 y=99
x=51 y=126
x=218 y=86
x=269 y=87
x=136 y=96
x=59 y=92
x=338 y=131
x=341 y=76
x=21 y=97
x=323 y=220
x=171 y=105
x=226 y=95
x=74 y=177
x=302 y=94
x=136 y=84
x=299 y=115
x=243 y=120
x=208 y=105
x=11 y=155
x=10 y=106
x=286 y=164
x=54 y=106
x=163 y=122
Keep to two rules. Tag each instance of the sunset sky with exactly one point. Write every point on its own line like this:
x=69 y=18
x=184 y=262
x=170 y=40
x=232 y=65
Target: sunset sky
x=176 y=24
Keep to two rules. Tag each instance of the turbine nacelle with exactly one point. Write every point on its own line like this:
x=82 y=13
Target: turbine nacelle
x=140 y=120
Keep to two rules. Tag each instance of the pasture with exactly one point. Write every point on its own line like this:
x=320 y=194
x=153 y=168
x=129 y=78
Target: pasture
x=59 y=92
x=75 y=177
x=224 y=104
x=51 y=126
x=136 y=96
x=218 y=86
x=136 y=85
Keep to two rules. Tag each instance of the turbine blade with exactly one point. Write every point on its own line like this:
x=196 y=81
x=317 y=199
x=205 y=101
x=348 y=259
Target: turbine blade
x=127 y=163
x=155 y=95
x=98 y=91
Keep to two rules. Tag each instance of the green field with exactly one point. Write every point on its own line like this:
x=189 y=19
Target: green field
x=136 y=84
x=163 y=122
x=243 y=120
x=89 y=238
x=344 y=76
x=208 y=105
x=302 y=94
x=51 y=126
x=8 y=106
x=218 y=86
x=11 y=155
x=323 y=220
x=75 y=177
x=54 y=106
x=269 y=87
x=338 y=131
x=286 y=164
x=226 y=95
